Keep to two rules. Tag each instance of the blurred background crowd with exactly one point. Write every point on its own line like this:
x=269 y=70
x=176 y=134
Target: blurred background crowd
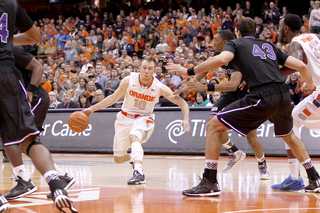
x=87 y=52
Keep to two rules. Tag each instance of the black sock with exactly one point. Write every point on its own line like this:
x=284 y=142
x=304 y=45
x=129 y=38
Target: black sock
x=210 y=175
x=233 y=149
x=312 y=173
x=54 y=185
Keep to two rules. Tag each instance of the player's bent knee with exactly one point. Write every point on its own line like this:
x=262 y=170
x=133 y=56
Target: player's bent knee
x=26 y=146
x=214 y=125
x=119 y=159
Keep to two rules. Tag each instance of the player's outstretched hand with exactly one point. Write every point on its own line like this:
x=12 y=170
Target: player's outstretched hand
x=88 y=111
x=196 y=85
x=182 y=89
x=186 y=126
x=176 y=68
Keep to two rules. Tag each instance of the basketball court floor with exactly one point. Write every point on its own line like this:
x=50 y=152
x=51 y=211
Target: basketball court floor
x=101 y=186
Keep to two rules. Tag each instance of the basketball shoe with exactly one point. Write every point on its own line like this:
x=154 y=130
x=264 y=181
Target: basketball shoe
x=66 y=180
x=264 y=171
x=205 y=188
x=289 y=184
x=5 y=207
x=23 y=188
x=63 y=202
x=234 y=159
x=137 y=178
x=314 y=186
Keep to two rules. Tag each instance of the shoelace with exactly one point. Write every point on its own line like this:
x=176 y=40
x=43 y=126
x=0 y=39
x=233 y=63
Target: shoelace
x=263 y=169
x=231 y=160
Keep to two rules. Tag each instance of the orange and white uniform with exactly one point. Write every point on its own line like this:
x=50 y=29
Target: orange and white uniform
x=136 y=117
x=307 y=112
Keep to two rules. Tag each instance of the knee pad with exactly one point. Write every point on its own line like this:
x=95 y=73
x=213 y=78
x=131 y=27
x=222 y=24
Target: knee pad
x=31 y=145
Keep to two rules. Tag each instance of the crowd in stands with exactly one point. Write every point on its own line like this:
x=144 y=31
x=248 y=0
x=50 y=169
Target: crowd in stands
x=86 y=56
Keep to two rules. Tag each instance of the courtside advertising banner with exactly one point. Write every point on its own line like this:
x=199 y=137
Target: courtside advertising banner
x=168 y=137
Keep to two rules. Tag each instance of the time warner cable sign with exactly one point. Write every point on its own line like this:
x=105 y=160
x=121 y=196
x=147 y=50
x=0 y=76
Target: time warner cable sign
x=167 y=138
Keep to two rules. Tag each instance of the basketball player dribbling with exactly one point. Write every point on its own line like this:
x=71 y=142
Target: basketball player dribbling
x=135 y=122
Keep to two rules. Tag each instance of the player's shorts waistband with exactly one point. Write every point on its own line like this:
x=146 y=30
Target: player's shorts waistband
x=129 y=115
x=6 y=63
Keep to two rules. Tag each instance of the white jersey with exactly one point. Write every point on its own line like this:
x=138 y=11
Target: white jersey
x=311 y=46
x=140 y=99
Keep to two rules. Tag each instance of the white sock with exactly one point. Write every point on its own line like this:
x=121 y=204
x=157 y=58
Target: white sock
x=138 y=166
x=21 y=172
x=260 y=160
x=51 y=175
x=59 y=171
x=294 y=168
x=137 y=156
x=228 y=144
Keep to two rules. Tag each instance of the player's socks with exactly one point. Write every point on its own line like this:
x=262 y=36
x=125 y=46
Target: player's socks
x=311 y=171
x=230 y=146
x=294 y=168
x=21 y=172
x=59 y=171
x=138 y=167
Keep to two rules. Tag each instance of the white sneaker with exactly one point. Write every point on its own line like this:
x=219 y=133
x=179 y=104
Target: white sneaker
x=234 y=159
x=264 y=171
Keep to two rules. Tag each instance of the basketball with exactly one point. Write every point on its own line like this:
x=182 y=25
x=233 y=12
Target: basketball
x=78 y=121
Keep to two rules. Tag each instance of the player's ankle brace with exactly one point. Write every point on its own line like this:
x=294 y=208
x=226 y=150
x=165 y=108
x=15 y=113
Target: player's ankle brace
x=233 y=149
x=31 y=145
x=210 y=175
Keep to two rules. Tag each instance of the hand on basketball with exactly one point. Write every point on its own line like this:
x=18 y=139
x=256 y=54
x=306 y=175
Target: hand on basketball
x=186 y=126
x=176 y=68
x=88 y=111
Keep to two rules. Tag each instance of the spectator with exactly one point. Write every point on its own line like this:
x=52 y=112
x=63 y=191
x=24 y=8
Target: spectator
x=70 y=52
x=91 y=90
x=96 y=56
x=42 y=49
x=53 y=100
x=272 y=15
x=69 y=87
x=84 y=55
x=168 y=83
x=147 y=50
x=99 y=42
x=62 y=38
x=119 y=28
x=292 y=81
x=314 y=21
x=95 y=20
x=45 y=84
x=101 y=79
x=66 y=101
x=189 y=33
x=161 y=47
x=80 y=89
x=51 y=49
x=125 y=46
x=113 y=83
x=125 y=57
x=201 y=99
x=215 y=96
x=139 y=45
x=99 y=96
x=57 y=89
x=83 y=101
x=92 y=77
x=248 y=11
x=203 y=31
x=227 y=24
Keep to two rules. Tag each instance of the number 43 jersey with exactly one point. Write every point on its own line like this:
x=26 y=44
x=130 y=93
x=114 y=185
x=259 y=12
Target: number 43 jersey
x=140 y=99
x=311 y=46
x=257 y=60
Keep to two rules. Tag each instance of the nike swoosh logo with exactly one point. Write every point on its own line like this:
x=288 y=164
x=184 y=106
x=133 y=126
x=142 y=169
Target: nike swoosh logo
x=288 y=184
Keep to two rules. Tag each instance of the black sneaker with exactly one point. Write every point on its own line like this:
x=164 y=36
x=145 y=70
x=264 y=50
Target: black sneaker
x=204 y=189
x=63 y=202
x=137 y=178
x=23 y=188
x=5 y=207
x=314 y=185
x=66 y=180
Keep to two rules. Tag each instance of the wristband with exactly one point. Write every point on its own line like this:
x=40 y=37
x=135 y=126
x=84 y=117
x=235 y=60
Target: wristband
x=211 y=87
x=191 y=71
x=32 y=88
